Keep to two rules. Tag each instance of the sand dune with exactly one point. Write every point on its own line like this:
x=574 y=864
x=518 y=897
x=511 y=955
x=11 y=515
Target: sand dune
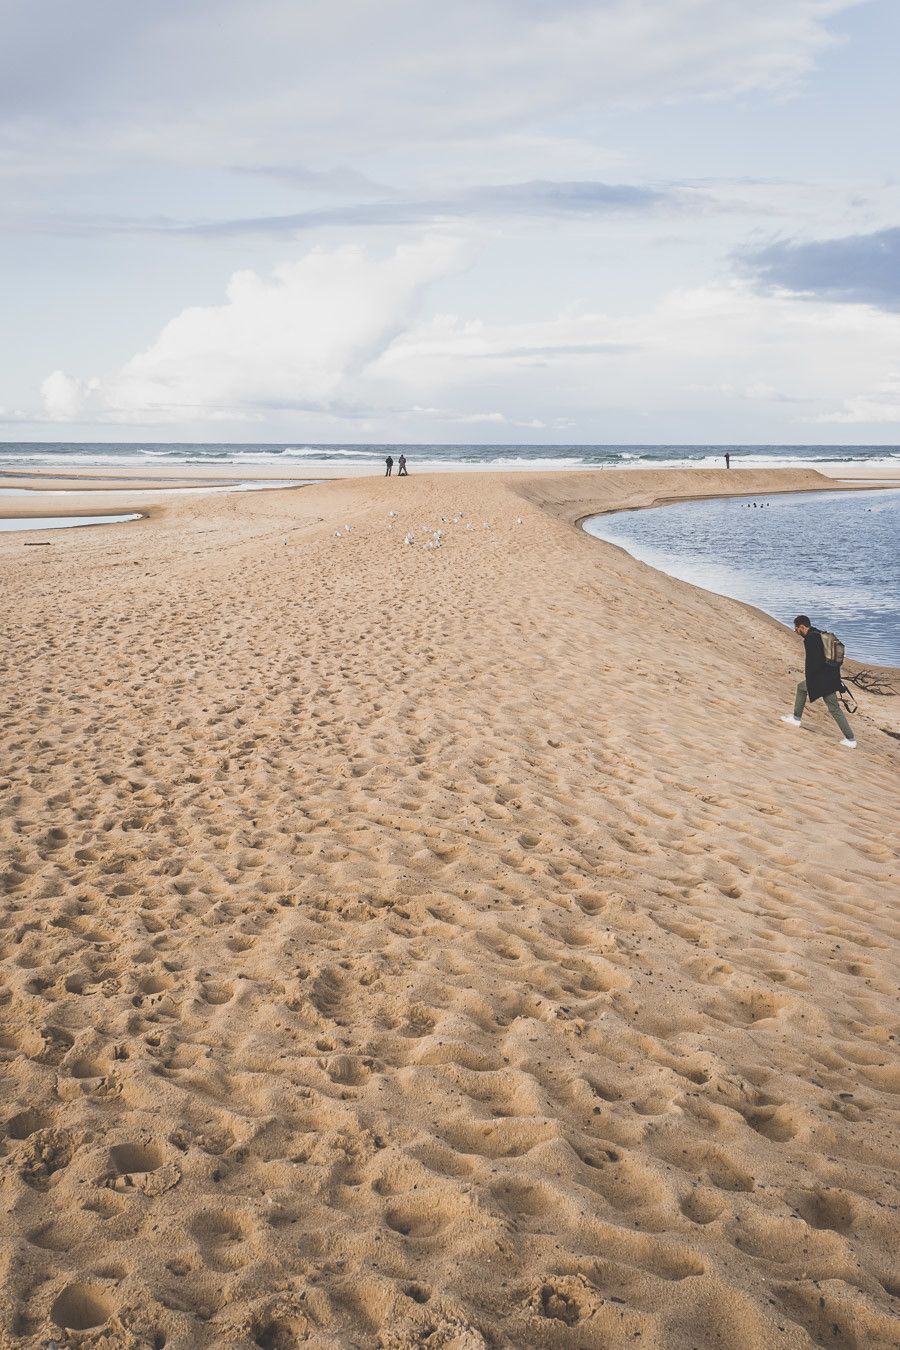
x=434 y=948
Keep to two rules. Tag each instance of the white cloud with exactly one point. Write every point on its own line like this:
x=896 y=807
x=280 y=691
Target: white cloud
x=879 y=409
x=201 y=136
x=757 y=391
x=62 y=397
x=573 y=337
x=702 y=348
x=297 y=339
x=344 y=339
x=223 y=81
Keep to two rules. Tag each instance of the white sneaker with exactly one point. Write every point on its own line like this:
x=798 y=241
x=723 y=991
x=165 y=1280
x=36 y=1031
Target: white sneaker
x=794 y=722
x=851 y=745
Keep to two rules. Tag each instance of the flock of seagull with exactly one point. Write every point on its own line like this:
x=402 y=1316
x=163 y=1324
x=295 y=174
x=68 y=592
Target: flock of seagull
x=436 y=535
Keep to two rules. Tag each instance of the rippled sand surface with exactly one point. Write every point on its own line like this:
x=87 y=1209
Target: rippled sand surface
x=439 y=948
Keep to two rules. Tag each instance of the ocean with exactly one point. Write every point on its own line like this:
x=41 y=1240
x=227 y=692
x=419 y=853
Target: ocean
x=300 y=457
x=832 y=555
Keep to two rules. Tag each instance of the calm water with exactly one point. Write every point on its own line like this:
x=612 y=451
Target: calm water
x=832 y=555
x=99 y=494
x=41 y=523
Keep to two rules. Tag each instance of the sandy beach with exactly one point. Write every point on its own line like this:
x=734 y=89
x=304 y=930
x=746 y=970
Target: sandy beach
x=441 y=948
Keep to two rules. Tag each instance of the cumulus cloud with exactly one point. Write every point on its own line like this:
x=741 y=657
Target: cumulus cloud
x=856 y=269
x=351 y=340
x=296 y=339
x=198 y=137
x=698 y=351
x=446 y=341
x=62 y=396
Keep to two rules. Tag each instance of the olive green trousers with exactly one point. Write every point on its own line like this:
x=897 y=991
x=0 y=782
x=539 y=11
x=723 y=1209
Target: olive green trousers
x=831 y=703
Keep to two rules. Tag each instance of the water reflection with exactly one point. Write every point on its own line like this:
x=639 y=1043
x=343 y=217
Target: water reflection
x=103 y=494
x=63 y=522
x=832 y=555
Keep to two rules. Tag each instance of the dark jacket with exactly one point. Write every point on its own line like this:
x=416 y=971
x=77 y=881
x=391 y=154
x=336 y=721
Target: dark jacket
x=821 y=678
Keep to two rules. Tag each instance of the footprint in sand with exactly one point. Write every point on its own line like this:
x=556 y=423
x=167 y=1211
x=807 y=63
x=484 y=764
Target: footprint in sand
x=287 y=1332
x=506 y=1137
x=418 y=1220
x=777 y=1123
x=27 y=1123
x=829 y=1209
x=709 y=970
x=751 y=1006
x=215 y=993
x=81 y=1307
x=702 y=1205
x=46 y=1153
x=128 y=1159
x=87 y=1067
x=219 y=1234
x=51 y=1237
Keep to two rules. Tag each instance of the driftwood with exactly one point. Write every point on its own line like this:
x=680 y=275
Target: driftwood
x=872 y=683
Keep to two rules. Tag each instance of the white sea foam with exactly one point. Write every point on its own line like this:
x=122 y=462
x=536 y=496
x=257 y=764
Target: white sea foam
x=442 y=458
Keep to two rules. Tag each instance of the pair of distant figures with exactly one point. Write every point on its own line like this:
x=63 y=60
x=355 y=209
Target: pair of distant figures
x=402 y=471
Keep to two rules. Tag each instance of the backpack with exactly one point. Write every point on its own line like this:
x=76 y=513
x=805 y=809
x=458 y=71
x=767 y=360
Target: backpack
x=834 y=649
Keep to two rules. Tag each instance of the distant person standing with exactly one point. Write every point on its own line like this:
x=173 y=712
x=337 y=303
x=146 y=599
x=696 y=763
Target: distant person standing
x=402 y=471
x=822 y=680
x=727 y=460
x=389 y=462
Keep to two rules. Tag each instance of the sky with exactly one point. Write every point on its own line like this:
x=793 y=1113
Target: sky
x=497 y=221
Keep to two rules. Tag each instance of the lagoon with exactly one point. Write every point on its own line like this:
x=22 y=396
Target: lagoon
x=63 y=522
x=832 y=555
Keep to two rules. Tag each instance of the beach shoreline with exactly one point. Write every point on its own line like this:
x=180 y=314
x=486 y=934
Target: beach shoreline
x=118 y=499
x=434 y=945
x=191 y=475
x=769 y=569
x=119 y=483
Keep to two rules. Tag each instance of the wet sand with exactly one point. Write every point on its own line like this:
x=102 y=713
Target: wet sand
x=443 y=948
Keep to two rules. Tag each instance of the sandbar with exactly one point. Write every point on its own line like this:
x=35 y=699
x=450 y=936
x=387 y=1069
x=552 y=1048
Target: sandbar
x=435 y=947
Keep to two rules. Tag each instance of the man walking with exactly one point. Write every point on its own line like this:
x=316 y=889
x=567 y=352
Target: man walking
x=389 y=463
x=822 y=680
